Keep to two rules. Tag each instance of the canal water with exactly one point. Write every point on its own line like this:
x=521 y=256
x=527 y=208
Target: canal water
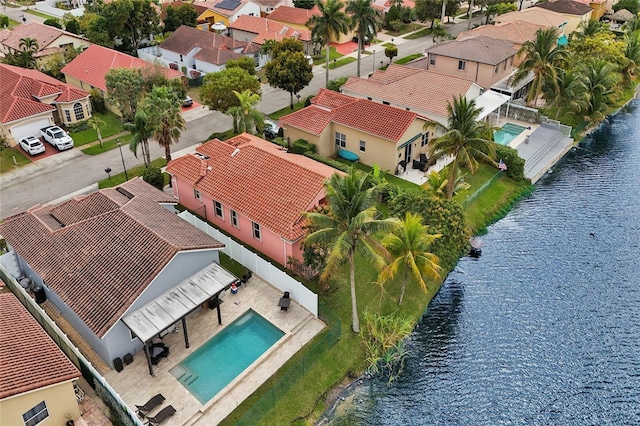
x=543 y=328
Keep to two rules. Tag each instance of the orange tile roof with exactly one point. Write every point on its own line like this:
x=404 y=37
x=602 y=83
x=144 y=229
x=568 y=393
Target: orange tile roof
x=92 y=65
x=29 y=359
x=535 y=15
x=261 y=182
x=480 y=48
x=99 y=252
x=268 y=29
x=517 y=32
x=403 y=85
x=293 y=15
x=21 y=88
x=45 y=35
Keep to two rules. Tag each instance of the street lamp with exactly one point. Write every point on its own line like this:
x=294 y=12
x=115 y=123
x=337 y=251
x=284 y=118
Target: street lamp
x=334 y=64
x=381 y=64
x=298 y=96
x=374 y=61
x=108 y=172
x=392 y=41
x=126 y=177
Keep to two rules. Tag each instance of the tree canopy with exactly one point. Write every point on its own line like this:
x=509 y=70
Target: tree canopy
x=246 y=63
x=124 y=89
x=288 y=68
x=217 y=89
x=185 y=14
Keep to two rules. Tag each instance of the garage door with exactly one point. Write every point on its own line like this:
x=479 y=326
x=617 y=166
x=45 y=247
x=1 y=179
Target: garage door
x=32 y=128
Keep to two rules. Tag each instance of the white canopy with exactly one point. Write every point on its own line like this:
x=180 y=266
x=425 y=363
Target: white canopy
x=490 y=101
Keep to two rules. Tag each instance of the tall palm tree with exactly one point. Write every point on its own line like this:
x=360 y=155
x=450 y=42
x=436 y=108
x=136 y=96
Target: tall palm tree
x=632 y=25
x=162 y=108
x=588 y=29
x=142 y=130
x=570 y=93
x=245 y=116
x=602 y=84
x=632 y=53
x=365 y=20
x=543 y=57
x=349 y=226
x=28 y=48
x=332 y=22
x=408 y=248
x=464 y=139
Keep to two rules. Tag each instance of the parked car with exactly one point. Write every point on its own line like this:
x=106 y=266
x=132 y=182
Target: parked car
x=187 y=101
x=271 y=129
x=32 y=145
x=366 y=40
x=57 y=137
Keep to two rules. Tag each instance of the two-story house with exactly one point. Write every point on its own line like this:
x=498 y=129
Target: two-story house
x=257 y=30
x=575 y=12
x=226 y=12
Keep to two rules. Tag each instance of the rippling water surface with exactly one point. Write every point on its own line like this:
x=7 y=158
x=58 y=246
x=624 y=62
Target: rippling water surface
x=543 y=328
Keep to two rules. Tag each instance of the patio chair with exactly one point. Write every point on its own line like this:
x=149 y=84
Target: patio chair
x=162 y=415
x=143 y=410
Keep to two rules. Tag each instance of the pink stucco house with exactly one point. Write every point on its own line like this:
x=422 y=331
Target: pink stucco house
x=253 y=190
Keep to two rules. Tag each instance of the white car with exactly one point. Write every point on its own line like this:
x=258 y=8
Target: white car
x=32 y=145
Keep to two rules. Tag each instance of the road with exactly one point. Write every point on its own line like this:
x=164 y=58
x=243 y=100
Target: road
x=71 y=172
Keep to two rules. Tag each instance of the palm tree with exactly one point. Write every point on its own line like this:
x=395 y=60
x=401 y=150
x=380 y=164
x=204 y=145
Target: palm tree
x=28 y=47
x=588 y=29
x=162 y=108
x=437 y=183
x=142 y=130
x=331 y=22
x=408 y=247
x=439 y=32
x=543 y=57
x=464 y=139
x=570 y=93
x=365 y=20
x=632 y=25
x=96 y=123
x=245 y=116
x=349 y=226
x=632 y=53
x=602 y=85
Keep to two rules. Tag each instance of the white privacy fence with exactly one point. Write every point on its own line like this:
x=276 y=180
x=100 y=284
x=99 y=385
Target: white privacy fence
x=259 y=266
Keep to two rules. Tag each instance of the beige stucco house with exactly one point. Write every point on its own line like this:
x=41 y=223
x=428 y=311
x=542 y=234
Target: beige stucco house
x=539 y=16
x=575 y=12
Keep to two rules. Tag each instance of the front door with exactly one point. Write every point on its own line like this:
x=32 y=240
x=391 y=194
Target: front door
x=407 y=154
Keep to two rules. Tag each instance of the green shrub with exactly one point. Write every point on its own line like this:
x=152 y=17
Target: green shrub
x=307 y=101
x=4 y=21
x=216 y=135
x=336 y=84
x=281 y=141
x=153 y=176
x=53 y=22
x=97 y=101
x=328 y=161
x=78 y=127
x=515 y=164
x=301 y=146
x=392 y=15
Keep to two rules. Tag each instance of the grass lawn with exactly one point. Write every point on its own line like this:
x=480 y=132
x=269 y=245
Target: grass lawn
x=6 y=159
x=113 y=125
x=341 y=62
x=109 y=145
x=287 y=110
x=194 y=92
x=422 y=33
x=322 y=59
x=409 y=58
x=40 y=14
x=132 y=172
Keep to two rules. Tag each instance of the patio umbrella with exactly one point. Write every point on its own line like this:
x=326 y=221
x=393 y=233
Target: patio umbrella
x=219 y=26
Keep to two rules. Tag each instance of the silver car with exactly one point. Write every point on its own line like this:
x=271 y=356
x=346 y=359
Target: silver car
x=32 y=145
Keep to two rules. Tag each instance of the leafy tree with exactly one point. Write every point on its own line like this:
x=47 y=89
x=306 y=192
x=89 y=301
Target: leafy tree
x=408 y=248
x=162 y=108
x=304 y=4
x=365 y=20
x=331 y=23
x=632 y=6
x=395 y=25
x=437 y=183
x=53 y=22
x=53 y=64
x=72 y=25
x=428 y=10
x=217 y=89
x=391 y=52
x=337 y=83
x=185 y=14
x=589 y=29
x=451 y=8
x=498 y=9
x=142 y=130
x=246 y=117
x=543 y=57
x=392 y=15
x=601 y=45
x=462 y=139
x=97 y=100
x=153 y=176
x=96 y=122
x=349 y=226
x=288 y=69
x=570 y=93
x=246 y=63
x=124 y=88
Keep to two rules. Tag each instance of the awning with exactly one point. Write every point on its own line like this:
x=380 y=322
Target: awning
x=490 y=101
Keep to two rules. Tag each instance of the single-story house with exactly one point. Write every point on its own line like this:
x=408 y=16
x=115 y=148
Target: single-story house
x=36 y=377
x=51 y=40
x=104 y=255
x=88 y=70
x=374 y=133
x=32 y=100
x=205 y=51
x=253 y=190
x=256 y=30
x=225 y=11
x=574 y=11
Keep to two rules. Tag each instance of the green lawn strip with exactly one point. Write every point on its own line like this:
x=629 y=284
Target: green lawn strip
x=422 y=33
x=6 y=159
x=476 y=180
x=341 y=62
x=108 y=145
x=322 y=59
x=407 y=59
x=132 y=172
x=392 y=179
x=113 y=125
x=286 y=110
x=40 y=14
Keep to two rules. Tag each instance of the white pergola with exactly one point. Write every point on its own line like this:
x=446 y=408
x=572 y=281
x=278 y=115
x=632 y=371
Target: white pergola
x=491 y=101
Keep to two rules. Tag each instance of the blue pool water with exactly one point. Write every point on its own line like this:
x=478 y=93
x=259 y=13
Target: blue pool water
x=227 y=354
x=507 y=133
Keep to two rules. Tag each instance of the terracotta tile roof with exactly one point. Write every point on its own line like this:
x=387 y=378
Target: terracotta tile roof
x=268 y=29
x=45 y=35
x=569 y=7
x=517 y=32
x=216 y=56
x=92 y=65
x=481 y=49
x=311 y=119
x=405 y=86
x=535 y=15
x=185 y=39
x=29 y=359
x=21 y=88
x=293 y=15
x=331 y=100
x=269 y=186
x=99 y=252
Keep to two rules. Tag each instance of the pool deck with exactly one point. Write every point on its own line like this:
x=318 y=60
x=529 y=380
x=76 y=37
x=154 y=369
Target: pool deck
x=135 y=385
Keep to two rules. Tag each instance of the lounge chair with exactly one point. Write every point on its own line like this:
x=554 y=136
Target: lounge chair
x=162 y=415
x=150 y=405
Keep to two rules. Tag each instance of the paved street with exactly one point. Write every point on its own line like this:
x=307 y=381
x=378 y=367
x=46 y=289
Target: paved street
x=72 y=171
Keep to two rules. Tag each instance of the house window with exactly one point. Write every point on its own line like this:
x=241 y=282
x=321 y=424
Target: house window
x=256 y=231
x=496 y=69
x=181 y=58
x=432 y=60
x=341 y=140
x=78 y=111
x=234 y=218
x=505 y=65
x=36 y=415
x=217 y=207
x=256 y=59
x=385 y=103
x=425 y=139
x=462 y=65
x=363 y=146
x=197 y=194
x=67 y=116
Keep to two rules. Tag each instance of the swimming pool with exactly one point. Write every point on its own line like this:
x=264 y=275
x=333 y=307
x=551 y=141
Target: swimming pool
x=507 y=133
x=227 y=354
